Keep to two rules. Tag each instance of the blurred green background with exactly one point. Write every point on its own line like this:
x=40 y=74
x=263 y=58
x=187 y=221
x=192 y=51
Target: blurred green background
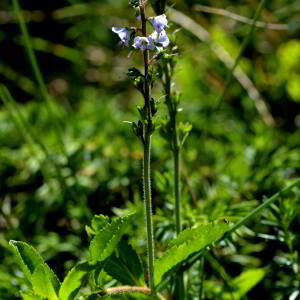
x=63 y=163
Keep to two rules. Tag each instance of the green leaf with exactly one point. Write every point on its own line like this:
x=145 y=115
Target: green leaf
x=73 y=281
x=28 y=258
x=187 y=243
x=130 y=258
x=116 y=268
x=127 y=267
x=202 y=231
x=34 y=268
x=106 y=240
x=30 y=296
x=43 y=283
x=244 y=283
x=98 y=222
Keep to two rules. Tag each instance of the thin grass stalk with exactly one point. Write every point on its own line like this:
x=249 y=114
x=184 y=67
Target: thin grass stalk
x=25 y=129
x=243 y=47
x=77 y=196
x=147 y=156
x=202 y=275
x=37 y=72
x=32 y=138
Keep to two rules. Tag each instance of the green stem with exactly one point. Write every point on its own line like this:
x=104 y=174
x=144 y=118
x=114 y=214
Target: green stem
x=239 y=56
x=180 y=277
x=201 y=289
x=148 y=208
x=176 y=156
x=147 y=156
x=179 y=290
x=50 y=104
x=38 y=74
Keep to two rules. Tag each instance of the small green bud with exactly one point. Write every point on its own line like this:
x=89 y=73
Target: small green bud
x=134 y=72
x=142 y=111
x=137 y=129
x=153 y=106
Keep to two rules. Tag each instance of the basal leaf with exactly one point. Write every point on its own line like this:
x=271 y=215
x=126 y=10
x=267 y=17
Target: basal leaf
x=53 y=278
x=28 y=258
x=106 y=240
x=244 y=283
x=73 y=281
x=42 y=283
x=187 y=243
x=30 y=296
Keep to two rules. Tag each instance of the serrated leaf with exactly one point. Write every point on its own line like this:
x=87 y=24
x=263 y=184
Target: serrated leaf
x=73 y=281
x=42 y=283
x=30 y=296
x=202 y=230
x=106 y=240
x=53 y=278
x=244 y=283
x=90 y=232
x=187 y=243
x=99 y=221
x=28 y=258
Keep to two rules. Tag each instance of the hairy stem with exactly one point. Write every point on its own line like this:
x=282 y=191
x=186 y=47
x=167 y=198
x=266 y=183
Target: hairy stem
x=176 y=156
x=147 y=156
x=148 y=208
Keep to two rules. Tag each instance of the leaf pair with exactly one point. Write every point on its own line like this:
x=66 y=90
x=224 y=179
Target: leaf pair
x=45 y=284
x=106 y=236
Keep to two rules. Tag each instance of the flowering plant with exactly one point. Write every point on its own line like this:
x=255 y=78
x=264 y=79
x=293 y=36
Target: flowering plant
x=157 y=40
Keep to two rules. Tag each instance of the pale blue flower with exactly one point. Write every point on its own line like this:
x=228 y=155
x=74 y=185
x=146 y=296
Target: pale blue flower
x=123 y=34
x=159 y=23
x=143 y=43
x=160 y=38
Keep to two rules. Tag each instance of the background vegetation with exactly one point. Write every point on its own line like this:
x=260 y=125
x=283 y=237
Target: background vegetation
x=69 y=156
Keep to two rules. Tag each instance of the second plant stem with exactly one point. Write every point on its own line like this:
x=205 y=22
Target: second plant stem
x=147 y=156
x=172 y=108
